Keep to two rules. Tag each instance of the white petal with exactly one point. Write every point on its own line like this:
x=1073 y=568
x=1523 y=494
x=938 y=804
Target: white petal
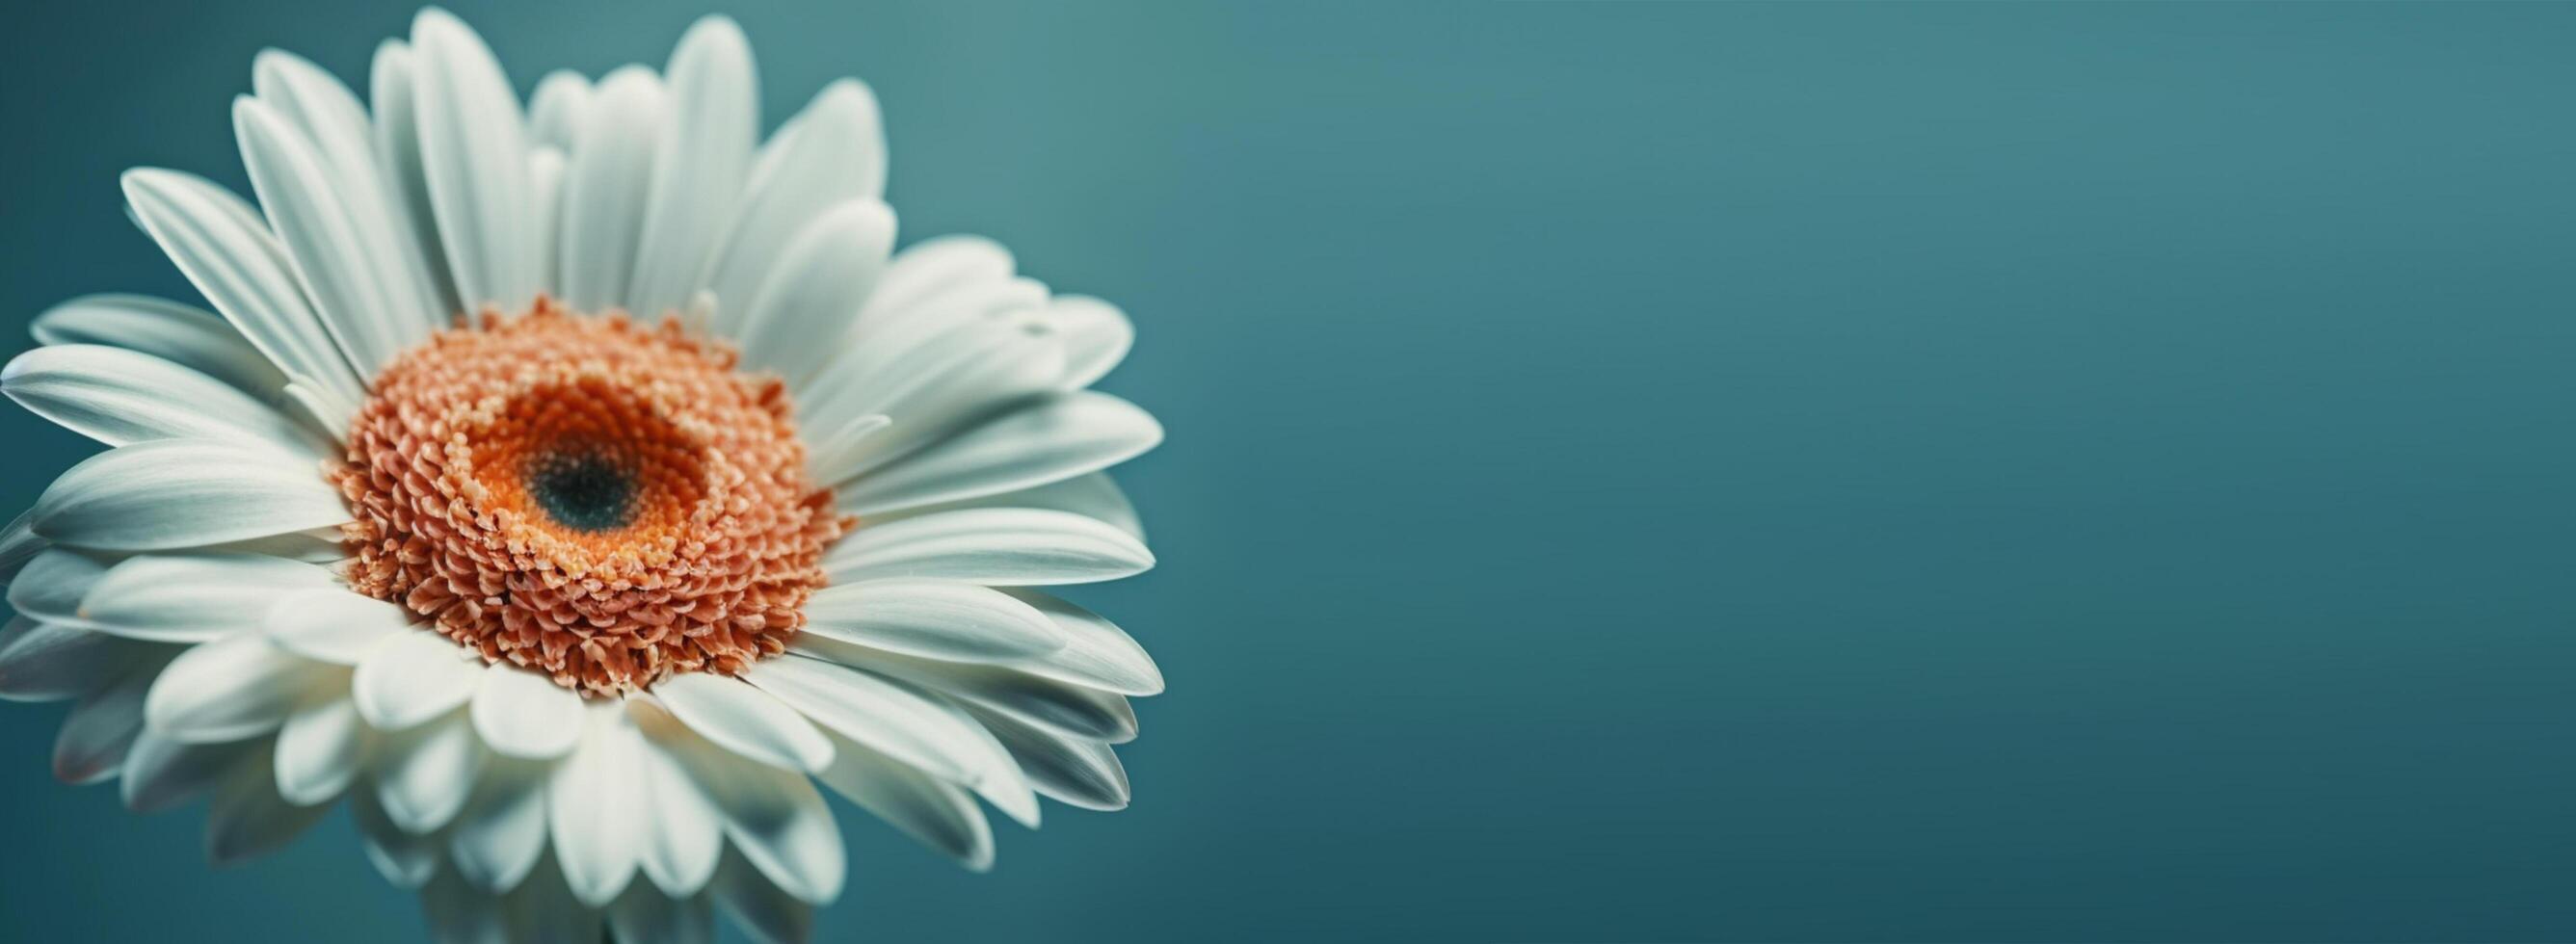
x=937 y=814
x=335 y=625
x=1097 y=654
x=592 y=808
x=233 y=688
x=795 y=322
x=522 y=713
x=183 y=335
x=417 y=676
x=902 y=723
x=936 y=266
x=160 y=773
x=335 y=252
x=50 y=661
x=391 y=88
x=767 y=914
x=545 y=186
x=698 y=169
x=474 y=155
x=830 y=153
x=932 y=386
x=933 y=618
x=119 y=396
x=643 y=914
x=405 y=859
x=1096 y=337
x=331 y=118
x=1075 y=710
x=605 y=175
x=320 y=548
x=1058 y=439
x=557 y=108
x=325 y=408
x=227 y=252
x=1071 y=770
x=195 y=597
x=428 y=773
x=1093 y=496
x=247 y=818
x=320 y=749
x=741 y=719
x=502 y=832
x=100 y=729
x=778 y=821
x=184 y=493
x=52 y=586
x=681 y=852
x=18 y=545
x=992 y=546
x=967 y=301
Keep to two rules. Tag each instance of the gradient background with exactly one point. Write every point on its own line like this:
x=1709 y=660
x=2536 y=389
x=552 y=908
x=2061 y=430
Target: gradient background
x=1657 y=472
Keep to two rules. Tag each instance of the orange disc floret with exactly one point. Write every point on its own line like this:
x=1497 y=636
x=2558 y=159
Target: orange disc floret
x=595 y=499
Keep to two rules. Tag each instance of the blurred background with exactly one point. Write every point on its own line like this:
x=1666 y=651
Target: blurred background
x=1653 y=471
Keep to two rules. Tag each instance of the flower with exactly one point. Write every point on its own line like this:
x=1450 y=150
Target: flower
x=572 y=490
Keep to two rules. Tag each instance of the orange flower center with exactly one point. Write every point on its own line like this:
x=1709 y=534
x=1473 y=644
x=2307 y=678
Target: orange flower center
x=590 y=498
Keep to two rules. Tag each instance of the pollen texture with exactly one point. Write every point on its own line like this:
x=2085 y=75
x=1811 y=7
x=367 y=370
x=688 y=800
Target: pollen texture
x=596 y=499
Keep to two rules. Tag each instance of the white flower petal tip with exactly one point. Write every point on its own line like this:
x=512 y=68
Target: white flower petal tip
x=745 y=720
x=100 y=730
x=936 y=813
x=413 y=678
x=901 y=722
x=1097 y=654
x=334 y=625
x=321 y=748
x=592 y=810
x=681 y=857
x=233 y=688
x=406 y=859
x=44 y=661
x=161 y=773
x=428 y=773
x=778 y=821
x=523 y=714
x=499 y=838
x=1097 y=336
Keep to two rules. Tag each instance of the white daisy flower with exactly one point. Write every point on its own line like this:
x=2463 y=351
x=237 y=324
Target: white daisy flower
x=576 y=606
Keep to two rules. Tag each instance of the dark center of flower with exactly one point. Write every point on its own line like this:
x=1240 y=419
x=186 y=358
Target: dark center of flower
x=583 y=488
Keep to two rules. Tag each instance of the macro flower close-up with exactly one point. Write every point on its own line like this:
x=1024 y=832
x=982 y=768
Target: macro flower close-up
x=1752 y=471
x=579 y=489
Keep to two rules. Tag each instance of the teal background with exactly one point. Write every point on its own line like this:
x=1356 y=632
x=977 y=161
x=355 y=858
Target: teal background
x=1657 y=472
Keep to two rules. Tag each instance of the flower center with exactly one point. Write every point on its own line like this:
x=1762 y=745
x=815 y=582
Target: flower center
x=583 y=488
x=587 y=497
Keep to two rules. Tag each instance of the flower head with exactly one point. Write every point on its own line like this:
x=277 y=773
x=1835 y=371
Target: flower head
x=572 y=488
